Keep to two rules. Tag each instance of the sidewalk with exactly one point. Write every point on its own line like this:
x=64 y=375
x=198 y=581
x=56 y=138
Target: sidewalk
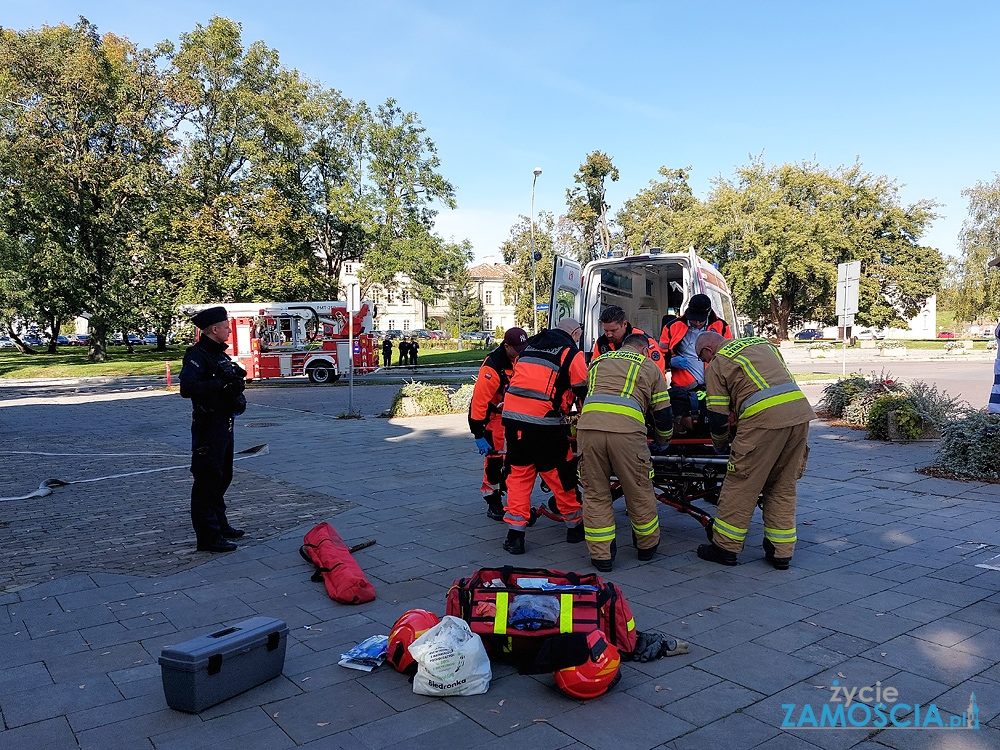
x=883 y=587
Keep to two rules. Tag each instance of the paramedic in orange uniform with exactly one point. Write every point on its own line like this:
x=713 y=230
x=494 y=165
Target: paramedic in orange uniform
x=616 y=327
x=484 y=416
x=536 y=432
x=677 y=342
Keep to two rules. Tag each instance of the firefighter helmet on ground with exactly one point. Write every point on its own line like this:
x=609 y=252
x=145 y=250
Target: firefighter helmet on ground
x=597 y=674
x=410 y=626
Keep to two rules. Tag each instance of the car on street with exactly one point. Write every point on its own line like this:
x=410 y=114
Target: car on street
x=150 y=339
x=78 y=339
x=6 y=343
x=135 y=340
x=421 y=333
x=62 y=341
x=869 y=333
x=394 y=333
x=808 y=334
x=946 y=335
x=439 y=335
x=32 y=340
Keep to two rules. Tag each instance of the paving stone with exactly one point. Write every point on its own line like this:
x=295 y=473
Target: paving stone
x=50 y=701
x=597 y=724
x=242 y=724
x=987 y=691
x=534 y=736
x=947 y=665
x=948 y=631
x=723 y=732
x=758 y=668
x=23 y=677
x=713 y=703
x=984 y=738
x=76 y=666
x=792 y=637
x=135 y=731
x=52 y=734
x=114 y=712
x=863 y=623
x=942 y=591
x=985 y=644
x=514 y=700
x=337 y=708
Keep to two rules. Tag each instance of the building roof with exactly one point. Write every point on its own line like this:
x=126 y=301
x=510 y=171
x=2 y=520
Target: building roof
x=498 y=271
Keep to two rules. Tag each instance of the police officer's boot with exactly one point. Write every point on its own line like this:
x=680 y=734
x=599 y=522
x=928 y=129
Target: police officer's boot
x=494 y=505
x=219 y=545
x=780 y=563
x=514 y=542
x=717 y=555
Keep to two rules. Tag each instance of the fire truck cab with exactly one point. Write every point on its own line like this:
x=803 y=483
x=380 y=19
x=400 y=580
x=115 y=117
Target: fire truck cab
x=650 y=288
x=285 y=339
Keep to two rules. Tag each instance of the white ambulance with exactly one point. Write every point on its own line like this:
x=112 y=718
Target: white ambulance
x=649 y=287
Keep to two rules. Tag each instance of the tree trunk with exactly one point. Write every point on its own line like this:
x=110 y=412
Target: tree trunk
x=20 y=345
x=97 y=343
x=161 y=342
x=129 y=349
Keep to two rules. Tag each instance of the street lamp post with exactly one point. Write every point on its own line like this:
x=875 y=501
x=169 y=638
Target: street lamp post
x=534 y=288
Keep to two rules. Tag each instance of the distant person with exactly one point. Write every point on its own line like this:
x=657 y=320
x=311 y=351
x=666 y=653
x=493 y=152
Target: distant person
x=994 y=405
x=404 y=352
x=414 y=348
x=215 y=385
x=387 y=352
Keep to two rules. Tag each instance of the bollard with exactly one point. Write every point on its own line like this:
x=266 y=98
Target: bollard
x=168 y=374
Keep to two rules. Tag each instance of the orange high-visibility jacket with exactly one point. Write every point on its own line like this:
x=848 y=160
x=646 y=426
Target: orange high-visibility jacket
x=548 y=367
x=672 y=335
x=603 y=346
x=489 y=390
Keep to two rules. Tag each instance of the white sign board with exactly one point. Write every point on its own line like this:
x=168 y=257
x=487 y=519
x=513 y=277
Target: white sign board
x=848 y=282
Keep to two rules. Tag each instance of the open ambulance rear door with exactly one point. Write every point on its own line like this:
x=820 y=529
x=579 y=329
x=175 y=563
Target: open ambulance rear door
x=566 y=297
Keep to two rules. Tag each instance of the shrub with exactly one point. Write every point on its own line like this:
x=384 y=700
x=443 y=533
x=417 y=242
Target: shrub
x=970 y=446
x=890 y=344
x=837 y=396
x=462 y=398
x=857 y=411
x=934 y=407
x=908 y=422
x=430 y=399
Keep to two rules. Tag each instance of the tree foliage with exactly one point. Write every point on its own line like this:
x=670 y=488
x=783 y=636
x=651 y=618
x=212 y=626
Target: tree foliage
x=664 y=215
x=977 y=284
x=517 y=254
x=587 y=208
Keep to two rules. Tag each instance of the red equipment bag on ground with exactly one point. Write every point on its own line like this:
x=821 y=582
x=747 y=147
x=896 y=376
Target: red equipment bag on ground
x=515 y=609
x=344 y=580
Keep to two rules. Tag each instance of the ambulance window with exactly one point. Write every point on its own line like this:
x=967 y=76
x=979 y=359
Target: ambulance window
x=565 y=305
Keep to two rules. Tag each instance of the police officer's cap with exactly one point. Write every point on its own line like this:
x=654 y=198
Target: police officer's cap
x=699 y=307
x=209 y=317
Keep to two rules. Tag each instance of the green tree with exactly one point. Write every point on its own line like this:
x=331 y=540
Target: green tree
x=465 y=309
x=664 y=215
x=85 y=135
x=978 y=284
x=778 y=233
x=516 y=252
x=587 y=208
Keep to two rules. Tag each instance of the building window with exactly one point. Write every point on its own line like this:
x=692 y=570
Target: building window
x=392 y=324
x=388 y=298
x=405 y=298
x=406 y=325
x=489 y=298
x=347 y=268
x=488 y=322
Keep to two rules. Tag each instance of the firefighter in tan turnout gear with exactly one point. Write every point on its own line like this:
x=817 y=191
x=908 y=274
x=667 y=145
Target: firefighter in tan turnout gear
x=748 y=378
x=622 y=385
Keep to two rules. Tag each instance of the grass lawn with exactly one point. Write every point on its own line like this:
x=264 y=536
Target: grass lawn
x=71 y=362
x=467 y=357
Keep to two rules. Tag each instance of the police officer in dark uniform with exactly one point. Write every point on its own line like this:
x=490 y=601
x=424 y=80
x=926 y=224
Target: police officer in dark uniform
x=215 y=385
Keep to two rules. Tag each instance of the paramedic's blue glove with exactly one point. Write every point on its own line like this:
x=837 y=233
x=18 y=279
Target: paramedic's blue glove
x=483 y=445
x=679 y=363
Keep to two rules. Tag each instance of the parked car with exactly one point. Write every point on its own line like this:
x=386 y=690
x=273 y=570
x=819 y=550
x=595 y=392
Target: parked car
x=150 y=339
x=32 y=340
x=946 y=335
x=421 y=333
x=78 y=339
x=6 y=343
x=472 y=336
x=808 y=334
x=394 y=333
x=439 y=335
x=62 y=341
x=135 y=340
x=869 y=333
x=377 y=334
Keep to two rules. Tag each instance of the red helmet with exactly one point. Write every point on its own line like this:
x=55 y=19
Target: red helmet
x=410 y=626
x=594 y=676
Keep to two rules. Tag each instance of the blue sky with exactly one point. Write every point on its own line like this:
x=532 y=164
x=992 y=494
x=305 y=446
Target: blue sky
x=909 y=88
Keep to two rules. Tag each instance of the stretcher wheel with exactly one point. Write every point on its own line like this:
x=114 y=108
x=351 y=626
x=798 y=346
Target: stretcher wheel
x=532 y=517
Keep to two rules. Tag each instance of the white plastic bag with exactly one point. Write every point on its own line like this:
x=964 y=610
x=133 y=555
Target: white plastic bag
x=451 y=660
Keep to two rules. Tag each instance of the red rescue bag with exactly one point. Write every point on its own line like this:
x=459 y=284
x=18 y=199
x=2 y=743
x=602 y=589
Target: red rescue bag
x=344 y=580
x=579 y=603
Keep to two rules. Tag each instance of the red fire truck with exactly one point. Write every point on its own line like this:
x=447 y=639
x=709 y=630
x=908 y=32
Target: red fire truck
x=284 y=339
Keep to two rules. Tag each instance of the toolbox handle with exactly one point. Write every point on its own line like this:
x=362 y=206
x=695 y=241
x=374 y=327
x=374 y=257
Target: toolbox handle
x=221 y=633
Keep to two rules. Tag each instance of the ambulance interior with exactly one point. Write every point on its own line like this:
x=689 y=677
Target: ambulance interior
x=649 y=290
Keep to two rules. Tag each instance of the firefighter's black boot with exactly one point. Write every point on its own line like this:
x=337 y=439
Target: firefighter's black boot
x=514 y=542
x=780 y=563
x=604 y=566
x=644 y=555
x=575 y=534
x=494 y=504
x=717 y=555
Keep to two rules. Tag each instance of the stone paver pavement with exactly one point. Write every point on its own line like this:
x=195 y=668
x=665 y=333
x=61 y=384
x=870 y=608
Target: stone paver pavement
x=884 y=588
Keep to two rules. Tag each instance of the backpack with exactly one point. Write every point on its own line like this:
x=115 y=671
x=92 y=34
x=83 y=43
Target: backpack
x=515 y=609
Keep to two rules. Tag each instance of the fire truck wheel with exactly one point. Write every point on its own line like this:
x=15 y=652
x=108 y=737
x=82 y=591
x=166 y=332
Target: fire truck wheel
x=320 y=373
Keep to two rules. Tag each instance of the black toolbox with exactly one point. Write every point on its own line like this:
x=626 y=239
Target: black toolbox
x=212 y=668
